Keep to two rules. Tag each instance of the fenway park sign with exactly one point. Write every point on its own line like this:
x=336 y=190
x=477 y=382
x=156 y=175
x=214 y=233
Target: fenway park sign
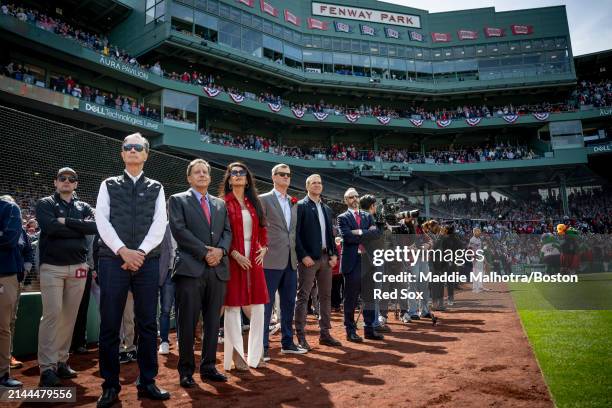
x=373 y=16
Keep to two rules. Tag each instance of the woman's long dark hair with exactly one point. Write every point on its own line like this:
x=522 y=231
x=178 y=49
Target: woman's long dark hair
x=250 y=191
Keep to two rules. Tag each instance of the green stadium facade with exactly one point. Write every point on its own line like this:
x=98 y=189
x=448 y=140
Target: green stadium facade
x=348 y=53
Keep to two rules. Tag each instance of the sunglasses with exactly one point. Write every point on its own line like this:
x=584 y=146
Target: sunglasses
x=71 y=179
x=238 y=173
x=283 y=174
x=128 y=147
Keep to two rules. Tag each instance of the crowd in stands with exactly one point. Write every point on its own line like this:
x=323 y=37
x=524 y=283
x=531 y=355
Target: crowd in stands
x=69 y=85
x=586 y=93
x=341 y=152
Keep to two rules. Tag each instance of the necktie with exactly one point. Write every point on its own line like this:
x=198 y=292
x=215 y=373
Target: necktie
x=205 y=209
x=358 y=219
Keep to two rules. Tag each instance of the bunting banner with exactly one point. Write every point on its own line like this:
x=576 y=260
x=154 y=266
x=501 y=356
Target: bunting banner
x=473 y=121
x=384 y=119
x=352 y=117
x=518 y=29
x=298 y=113
x=292 y=18
x=416 y=36
x=268 y=8
x=417 y=122
x=467 y=35
x=320 y=115
x=212 y=92
x=236 y=97
x=444 y=123
x=275 y=107
x=493 y=32
x=367 y=30
x=440 y=37
x=247 y=2
x=510 y=118
x=541 y=115
x=342 y=27
x=315 y=24
x=391 y=33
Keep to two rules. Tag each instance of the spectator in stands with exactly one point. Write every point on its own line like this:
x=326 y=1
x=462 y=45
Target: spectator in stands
x=316 y=251
x=64 y=223
x=280 y=263
x=130 y=232
x=246 y=289
x=10 y=265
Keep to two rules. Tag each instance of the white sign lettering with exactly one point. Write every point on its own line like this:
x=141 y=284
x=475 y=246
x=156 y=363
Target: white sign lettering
x=373 y=16
x=118 y=115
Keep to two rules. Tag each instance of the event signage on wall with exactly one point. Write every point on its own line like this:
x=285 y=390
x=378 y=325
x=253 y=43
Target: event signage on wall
x=372 y=16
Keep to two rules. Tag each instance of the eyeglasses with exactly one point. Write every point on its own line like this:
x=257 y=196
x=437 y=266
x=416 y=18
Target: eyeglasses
x=282 y=174
x=238 y=173
x=138 y=147
x=71 y=179
x=352 y=196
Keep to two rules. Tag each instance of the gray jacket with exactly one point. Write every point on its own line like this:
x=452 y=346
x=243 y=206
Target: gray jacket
x=281 y=241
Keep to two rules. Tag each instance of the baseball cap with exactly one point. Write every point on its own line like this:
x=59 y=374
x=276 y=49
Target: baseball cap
x=65 y=170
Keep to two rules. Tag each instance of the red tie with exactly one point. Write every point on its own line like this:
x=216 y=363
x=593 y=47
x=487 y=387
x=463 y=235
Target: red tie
x=358 y=219
x=205 y=208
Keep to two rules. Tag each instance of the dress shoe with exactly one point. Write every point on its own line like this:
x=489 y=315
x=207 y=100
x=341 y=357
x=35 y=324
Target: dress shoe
x=213 y=375
x=8 y=382
x=373 y=336
x=304 y=344
x=329 y=341
x=49 y=378
x=108 y=398
x=151 y=391
x=64 y=371
x=293 y=349
x=353 y=337
x=266 y=355
x=415 y=317
x=15 y=364
x=383 y=329
x=187 y=382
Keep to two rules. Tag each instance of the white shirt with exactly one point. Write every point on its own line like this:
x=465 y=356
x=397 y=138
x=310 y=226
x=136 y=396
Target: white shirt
x=321 y=222
x=108 y=234
x=284 y=204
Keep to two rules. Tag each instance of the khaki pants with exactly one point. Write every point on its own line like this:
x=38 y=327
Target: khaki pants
x=321 y=272
x=126 y=334
x=8 y=298
x=14 y=317
x=61 y=292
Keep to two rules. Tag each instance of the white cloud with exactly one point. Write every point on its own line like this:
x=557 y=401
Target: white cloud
x=589 y=20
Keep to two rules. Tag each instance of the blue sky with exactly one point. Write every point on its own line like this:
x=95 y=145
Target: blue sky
x=590 y=21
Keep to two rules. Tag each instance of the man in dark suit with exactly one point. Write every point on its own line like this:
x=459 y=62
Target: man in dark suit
x=356 y=227
x=202 y=232
x=316 y=251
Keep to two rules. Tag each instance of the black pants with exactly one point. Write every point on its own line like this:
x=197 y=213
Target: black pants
x=337 y=288
x=79 y=336
x=203 y=295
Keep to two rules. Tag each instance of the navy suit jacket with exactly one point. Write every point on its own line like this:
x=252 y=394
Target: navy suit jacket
x=350 y=243
x=308 y=230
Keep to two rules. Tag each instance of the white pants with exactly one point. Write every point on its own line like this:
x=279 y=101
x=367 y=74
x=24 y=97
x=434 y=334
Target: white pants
x=477 y=283
x=232 y=332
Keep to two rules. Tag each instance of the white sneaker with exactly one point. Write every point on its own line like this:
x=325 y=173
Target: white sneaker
x=406 y=318
x=164 y=348
x=274 y=329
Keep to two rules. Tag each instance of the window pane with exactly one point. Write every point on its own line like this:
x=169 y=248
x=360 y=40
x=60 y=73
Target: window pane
x=293 y=52
x=342 y=59
x=205 y=20
x=273 y=43
x=312 y=56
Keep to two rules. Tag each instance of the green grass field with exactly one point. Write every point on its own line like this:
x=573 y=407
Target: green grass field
x=570 y=329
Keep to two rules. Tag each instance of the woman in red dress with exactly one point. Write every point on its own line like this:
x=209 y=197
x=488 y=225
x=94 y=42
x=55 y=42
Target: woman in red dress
x=246 y=288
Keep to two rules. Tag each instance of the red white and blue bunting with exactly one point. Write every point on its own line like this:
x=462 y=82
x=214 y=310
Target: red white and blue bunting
x=384 y=119
x=298 y=113
x=320 y=115
x=212 y=92
x=236 y=97
x=275 y=107
x=352 y=117
x=510 y=118
x=541 y=116
x=444 y=123
x=417 y=122
x=473 y=121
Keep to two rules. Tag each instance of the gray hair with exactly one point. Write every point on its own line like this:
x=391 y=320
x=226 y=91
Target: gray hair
x=145 y=142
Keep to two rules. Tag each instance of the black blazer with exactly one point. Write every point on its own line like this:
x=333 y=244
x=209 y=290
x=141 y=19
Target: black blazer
x=308 y=230
x=192 y=233
x=350 y=242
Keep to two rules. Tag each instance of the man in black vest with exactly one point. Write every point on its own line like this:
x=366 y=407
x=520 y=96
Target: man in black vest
x=131 y=219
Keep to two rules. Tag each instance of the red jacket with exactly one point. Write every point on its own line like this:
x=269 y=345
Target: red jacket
x=245 y=287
